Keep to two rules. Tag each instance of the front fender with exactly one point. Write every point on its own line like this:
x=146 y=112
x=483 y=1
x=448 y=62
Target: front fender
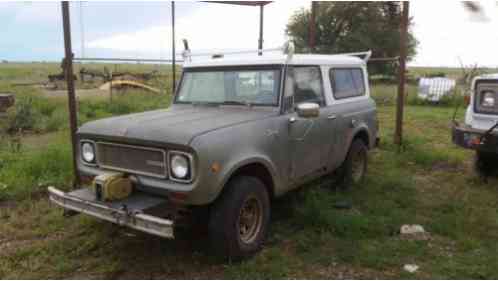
x=224 y=151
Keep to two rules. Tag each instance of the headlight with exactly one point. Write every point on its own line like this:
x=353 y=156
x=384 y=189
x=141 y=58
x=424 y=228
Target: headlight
x=88 y=152
x=488 y=99
x=180 y=166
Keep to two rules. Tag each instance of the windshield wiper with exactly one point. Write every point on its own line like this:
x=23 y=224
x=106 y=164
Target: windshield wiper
x=232 y=102
x=197 y=103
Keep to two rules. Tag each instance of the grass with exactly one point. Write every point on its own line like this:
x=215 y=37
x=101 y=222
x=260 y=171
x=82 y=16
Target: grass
x=429 y=182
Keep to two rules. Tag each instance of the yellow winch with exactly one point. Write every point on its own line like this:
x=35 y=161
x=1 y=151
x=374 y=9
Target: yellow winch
x=111 y=186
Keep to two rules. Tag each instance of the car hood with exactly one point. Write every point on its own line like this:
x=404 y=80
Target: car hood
x=176 y=125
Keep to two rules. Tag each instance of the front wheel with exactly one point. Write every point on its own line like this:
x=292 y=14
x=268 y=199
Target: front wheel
x=354 y=168
x=239 y=220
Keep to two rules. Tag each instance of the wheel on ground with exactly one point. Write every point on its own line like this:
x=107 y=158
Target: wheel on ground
x=485 y=163
x=354 y=168
x=239 y=219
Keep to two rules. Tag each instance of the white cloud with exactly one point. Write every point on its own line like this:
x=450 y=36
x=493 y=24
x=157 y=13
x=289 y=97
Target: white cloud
x=447 y=32
x=213 y=26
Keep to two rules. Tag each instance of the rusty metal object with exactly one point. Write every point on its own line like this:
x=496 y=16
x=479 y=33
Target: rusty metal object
x=6 y=100
x=127 y=83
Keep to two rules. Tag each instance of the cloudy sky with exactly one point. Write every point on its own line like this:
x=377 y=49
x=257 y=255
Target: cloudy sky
x=33 y=30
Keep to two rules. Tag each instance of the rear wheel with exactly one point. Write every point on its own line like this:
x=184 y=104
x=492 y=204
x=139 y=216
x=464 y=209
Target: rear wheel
x=239 y=220
x=354 y=168
x=485 y=163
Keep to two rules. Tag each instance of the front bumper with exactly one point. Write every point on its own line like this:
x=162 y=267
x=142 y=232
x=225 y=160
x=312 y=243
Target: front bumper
x=471 y=138
x=128 y=212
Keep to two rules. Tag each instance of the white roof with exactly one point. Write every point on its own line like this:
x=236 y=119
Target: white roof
x=297 y=59
x=487 y=76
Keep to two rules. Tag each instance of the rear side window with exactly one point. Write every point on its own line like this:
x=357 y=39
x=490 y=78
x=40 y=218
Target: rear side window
x=347 y=82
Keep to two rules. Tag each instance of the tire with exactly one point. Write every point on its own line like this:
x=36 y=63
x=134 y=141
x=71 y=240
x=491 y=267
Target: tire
x=485 y=163
x=351 y=171
x=232 y=234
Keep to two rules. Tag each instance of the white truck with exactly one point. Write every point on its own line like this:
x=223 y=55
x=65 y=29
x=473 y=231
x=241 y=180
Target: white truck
x=480 y=130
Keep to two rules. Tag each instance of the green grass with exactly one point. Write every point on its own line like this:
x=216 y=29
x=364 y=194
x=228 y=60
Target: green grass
x=429 y=181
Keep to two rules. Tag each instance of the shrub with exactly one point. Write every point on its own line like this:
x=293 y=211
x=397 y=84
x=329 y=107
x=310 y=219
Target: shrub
x=20 y=117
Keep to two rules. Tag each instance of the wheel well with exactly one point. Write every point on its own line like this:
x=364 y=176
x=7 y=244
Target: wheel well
x=259 y=171
x=363 y=135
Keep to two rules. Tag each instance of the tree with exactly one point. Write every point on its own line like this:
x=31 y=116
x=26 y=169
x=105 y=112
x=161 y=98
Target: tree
x=353 y=26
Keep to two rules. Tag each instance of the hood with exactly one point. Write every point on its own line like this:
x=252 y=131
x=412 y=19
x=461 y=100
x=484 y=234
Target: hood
x=176 y=125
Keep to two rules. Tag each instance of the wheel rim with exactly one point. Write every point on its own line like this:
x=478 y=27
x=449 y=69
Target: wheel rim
x=250 y=220
x=358 y=166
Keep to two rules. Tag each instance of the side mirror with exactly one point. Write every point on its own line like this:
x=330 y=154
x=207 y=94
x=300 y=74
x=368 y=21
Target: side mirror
x=308 y=110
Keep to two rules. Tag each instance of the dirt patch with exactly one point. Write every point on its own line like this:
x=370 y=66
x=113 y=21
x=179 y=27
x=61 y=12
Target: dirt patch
x=444 y=166
x=7 y=204
x=80 y=93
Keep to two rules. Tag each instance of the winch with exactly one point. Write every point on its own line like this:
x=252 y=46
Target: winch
x=111 y=186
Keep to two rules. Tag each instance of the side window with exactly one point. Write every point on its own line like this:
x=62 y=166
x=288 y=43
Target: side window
x=308 y=85
x=347 y=82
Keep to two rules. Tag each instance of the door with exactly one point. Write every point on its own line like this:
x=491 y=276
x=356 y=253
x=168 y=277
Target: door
x=304 y=84
x=348 y=89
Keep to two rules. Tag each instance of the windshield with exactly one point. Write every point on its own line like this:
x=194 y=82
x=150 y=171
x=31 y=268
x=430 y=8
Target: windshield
x=230 y=86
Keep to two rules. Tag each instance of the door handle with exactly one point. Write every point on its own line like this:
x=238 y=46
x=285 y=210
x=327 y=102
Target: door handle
x=332 y=117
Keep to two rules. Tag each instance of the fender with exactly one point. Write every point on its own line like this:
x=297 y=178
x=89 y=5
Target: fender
x=226 y=175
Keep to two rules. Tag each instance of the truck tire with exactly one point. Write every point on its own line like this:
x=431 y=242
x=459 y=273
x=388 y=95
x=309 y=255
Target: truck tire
x=485 y=163
x=354 y=167
x=239 y=219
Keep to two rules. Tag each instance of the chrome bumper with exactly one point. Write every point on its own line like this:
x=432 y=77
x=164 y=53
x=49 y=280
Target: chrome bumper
x=127 y=216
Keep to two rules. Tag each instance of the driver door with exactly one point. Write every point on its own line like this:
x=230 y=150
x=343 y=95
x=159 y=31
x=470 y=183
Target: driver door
x=304 y=85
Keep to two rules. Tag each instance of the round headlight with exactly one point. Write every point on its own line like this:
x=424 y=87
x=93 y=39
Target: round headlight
x=488 y=99
x=179 y=166
x=88 y=152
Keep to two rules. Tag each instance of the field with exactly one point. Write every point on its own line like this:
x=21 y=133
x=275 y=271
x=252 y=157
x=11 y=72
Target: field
x=429 y=181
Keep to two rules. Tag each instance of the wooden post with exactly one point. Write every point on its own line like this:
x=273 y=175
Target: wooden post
x=311 y=27
x=260 y=41
x=398 y=134
x=68 y=71
x=173 y=57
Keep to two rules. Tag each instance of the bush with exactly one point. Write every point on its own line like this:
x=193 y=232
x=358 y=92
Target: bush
x=21 y=117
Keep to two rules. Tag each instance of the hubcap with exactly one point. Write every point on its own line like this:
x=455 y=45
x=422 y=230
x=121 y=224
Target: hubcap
x=358 y=166
x=250 y=220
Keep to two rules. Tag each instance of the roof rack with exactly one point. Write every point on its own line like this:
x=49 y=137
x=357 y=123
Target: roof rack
x=366 y=54
x=288 y=49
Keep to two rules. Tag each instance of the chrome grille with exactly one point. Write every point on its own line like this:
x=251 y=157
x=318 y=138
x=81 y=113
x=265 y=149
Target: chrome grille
x=132 y=159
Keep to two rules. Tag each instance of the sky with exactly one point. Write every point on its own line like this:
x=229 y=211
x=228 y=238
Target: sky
x=32 y=31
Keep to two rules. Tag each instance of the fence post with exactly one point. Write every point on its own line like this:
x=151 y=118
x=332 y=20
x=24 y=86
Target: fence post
x=68 y=71
x=398 y=135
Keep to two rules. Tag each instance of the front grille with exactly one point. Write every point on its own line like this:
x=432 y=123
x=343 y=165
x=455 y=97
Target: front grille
x=132 y=159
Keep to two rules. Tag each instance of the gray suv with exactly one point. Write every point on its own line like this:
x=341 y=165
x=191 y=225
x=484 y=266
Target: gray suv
x=239 y=133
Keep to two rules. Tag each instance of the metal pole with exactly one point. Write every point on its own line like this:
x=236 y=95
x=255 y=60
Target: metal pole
x=312 y=27
x=260 y=41
x=82 y=30
x=68 y=71
x=173 y=45
x=398 y=135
